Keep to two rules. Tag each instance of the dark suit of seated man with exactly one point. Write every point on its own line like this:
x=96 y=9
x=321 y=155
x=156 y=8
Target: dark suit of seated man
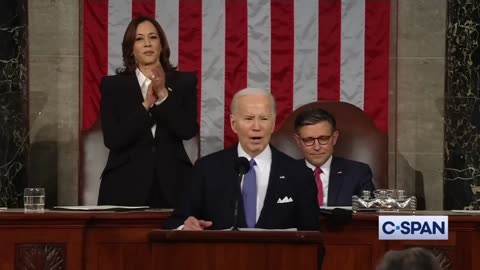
x=277 y=192
x=337 y=179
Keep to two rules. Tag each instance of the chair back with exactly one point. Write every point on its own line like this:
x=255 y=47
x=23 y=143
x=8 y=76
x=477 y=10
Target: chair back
x=359 y=138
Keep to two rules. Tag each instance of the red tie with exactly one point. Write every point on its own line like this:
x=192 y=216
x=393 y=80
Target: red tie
x=318 y=180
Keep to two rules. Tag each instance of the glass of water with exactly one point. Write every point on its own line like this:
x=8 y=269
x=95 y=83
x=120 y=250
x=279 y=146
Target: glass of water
x=34 y=200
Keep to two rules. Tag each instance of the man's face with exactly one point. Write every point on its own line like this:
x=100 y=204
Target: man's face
x=317 y=142
x=253 y=121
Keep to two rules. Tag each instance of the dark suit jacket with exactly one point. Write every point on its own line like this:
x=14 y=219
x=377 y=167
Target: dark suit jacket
x=347 y=178
x=215 y=188
x=136 y=158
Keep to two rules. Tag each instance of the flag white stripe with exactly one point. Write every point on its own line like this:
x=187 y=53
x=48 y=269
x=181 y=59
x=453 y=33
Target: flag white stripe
x=167 y=14
x=258 y=65
x=305 y=73
x=213 y=76
x=352 y=74
x=119 y=15
x=305 y=52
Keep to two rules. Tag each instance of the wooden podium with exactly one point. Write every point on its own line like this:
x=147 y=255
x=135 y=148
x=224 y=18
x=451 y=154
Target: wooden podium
x=219 y=250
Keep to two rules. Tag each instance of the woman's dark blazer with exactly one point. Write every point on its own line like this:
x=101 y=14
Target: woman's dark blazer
x=136 y=157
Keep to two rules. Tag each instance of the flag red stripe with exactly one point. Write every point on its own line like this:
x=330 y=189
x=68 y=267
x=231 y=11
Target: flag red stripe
x=282 y=56
x=377 y=29
x=377 y=24
x=143 y=8
x=236 y=55
x=190 y=42
x=95 y=57
x=329 y=31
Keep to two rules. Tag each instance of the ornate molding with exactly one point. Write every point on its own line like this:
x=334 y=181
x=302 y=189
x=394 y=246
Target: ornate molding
x=41 y=256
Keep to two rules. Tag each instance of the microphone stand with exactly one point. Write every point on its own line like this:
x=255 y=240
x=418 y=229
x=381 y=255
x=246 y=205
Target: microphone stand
x=237 y=200
x=242 y=165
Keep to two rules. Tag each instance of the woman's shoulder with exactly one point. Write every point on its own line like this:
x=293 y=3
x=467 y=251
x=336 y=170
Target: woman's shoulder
x=117 y=78
x=117 y=81
x=183 y=75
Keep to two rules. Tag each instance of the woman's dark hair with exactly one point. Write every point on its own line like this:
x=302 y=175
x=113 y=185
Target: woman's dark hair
x=129 y=37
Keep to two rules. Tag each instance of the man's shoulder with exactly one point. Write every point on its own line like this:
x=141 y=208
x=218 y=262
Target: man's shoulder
x=287 y=161
x=350 y=163
x=280 y=156
x=216 y=157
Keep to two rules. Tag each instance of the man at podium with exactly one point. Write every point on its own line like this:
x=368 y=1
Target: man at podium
x=252 y=184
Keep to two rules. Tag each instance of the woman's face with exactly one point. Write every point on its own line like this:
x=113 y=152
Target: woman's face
x=147 y=47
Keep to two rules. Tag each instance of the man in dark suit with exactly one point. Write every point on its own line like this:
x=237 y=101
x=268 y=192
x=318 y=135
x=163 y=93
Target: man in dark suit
x=284 y=193
x=337 y=179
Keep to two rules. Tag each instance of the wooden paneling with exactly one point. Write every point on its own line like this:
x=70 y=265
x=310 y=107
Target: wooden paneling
x=124 y=256
x=353 y=256
x=16 y=244
x=259 y=250
x=106 y=240
x=83 y=240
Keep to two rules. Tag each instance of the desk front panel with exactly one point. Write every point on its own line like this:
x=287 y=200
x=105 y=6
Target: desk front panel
x=109 y=240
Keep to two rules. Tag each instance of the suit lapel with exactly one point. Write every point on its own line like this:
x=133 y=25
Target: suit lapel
x=134 y=93
x=170 y=82
x=335 y=182
x=270 y=196
x=133 y=90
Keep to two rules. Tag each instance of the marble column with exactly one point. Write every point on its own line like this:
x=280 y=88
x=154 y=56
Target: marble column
x=54 y=86
x=14 y=142
x=462 y=105
x=416 y=131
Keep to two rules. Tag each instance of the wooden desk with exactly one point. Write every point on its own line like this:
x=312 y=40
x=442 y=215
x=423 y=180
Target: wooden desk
x=77 y=240
x=106 y=240
x=356 y=246
x=237 y=250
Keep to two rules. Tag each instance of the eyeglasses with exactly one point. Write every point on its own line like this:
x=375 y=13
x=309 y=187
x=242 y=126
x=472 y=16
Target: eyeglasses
x=322 y=140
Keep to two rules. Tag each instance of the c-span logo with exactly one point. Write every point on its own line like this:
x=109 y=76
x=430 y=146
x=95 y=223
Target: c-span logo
x=413 y=227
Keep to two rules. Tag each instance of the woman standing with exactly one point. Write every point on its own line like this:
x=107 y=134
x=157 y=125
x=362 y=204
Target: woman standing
x=147 y=110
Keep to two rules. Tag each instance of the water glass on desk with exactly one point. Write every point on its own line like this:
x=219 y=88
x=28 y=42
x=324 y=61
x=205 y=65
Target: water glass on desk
x=34 y=200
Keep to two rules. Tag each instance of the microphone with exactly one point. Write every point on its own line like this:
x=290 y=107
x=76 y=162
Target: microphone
x=242 y=165
x=241 y=168
x=338 y=216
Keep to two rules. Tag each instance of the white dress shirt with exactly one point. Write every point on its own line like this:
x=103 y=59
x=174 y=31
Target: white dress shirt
x=144 y=83
x=324 y=176
x=262 y=170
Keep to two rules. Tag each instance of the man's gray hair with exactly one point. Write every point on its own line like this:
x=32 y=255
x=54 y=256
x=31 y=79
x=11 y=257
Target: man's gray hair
x=250 y=91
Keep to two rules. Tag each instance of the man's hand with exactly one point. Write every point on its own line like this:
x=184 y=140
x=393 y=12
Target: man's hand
x=193 y=224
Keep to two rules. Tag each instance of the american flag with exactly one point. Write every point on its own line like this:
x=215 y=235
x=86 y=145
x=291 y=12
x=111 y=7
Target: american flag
x=300 y=50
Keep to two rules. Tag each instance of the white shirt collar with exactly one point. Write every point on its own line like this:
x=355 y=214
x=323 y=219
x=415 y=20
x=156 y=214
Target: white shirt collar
x=325 y=167
x=140 y=77
x=263 y=160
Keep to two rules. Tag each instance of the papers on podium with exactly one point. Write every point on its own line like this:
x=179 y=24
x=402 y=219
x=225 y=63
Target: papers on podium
x=100 y=208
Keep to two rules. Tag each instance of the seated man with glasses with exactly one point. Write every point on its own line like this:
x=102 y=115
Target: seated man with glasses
x=337 y=179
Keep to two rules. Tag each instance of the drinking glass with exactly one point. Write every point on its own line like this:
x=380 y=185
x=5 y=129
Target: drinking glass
x=34 y=200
